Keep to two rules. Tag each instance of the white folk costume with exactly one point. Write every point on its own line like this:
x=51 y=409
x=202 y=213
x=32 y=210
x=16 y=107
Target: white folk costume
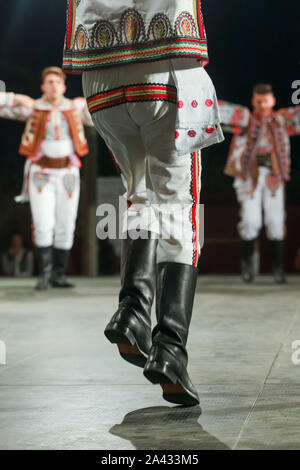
x=155 y=106
x=259 y=161
x=53 y=141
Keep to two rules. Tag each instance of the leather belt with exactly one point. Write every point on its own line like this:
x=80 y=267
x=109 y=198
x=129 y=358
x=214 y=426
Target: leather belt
x=47 y=162
x=264 y=160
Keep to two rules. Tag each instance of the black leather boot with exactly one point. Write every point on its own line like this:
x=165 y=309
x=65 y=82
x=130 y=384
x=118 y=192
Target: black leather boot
x=60 y=266
x=45 y=267
x=247 y=252
x=277 y=247
x=130 y=326
x=168 y=358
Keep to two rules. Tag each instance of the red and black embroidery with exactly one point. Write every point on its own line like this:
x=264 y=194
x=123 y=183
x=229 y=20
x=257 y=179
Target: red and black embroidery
x=200 y=19
x=69 y=32
x=130 y=94
x=194 y=213
x=132 y=27
x=160 y=27
x=186 y=26
x=103 y=35
x=81 y=41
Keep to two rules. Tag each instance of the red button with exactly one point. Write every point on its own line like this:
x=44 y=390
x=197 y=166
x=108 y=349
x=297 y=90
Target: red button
x=192 y=133
x=195 y=104
x=209 y=103
x=180 y=104
x=210 y=130
x=176 y=135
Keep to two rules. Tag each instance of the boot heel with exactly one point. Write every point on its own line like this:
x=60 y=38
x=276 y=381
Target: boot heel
x=119 y=334
x=123 y=337
x=158 y=373
x=173 y=389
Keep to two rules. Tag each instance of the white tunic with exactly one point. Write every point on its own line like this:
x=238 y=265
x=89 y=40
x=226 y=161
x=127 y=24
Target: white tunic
x=121 y=33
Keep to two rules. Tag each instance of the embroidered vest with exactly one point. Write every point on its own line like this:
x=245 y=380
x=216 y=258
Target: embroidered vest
x=102 y=33
x=35 y=132
x=244 y=148
x=279 y=138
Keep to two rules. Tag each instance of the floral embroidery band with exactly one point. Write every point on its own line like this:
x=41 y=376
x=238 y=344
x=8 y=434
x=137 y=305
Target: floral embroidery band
x=133 y=41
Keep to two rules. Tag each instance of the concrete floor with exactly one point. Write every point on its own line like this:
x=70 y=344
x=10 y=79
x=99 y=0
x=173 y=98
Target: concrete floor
x=65 y=387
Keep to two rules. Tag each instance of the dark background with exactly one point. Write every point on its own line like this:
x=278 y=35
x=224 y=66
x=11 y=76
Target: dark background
x=250 y=41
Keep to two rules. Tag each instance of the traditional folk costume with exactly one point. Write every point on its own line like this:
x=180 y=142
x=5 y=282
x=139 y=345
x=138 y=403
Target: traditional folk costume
x=53 y=141
x=155 y=106
x=259 y=161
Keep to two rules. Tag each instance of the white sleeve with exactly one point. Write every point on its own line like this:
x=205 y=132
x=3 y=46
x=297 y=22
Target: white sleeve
x=83 y=110
x=9 y=111
x=6 y=99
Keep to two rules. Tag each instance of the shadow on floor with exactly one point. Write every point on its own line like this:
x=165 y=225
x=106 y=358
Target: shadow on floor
x=163 y=428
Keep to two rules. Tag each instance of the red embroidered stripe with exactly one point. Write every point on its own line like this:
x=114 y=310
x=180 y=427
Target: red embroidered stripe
x=79 y=61
x=130 y=94
x=70 y=25
x=200 y=21
x=195 y=209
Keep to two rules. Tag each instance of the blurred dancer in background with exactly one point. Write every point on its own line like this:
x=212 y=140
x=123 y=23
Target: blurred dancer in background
x=259 y=160
x=53 y=141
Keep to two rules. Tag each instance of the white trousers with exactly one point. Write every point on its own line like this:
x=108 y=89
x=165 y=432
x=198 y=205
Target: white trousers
x=263 y=201
x=162 y=188
x=54 y=197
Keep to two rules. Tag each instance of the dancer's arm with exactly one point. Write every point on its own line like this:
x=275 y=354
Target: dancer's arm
x=83 y=110
x=234 y=117
x=292 y=119
x=16 y=107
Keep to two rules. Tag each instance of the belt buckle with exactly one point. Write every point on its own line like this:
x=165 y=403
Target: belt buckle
x=264 y=160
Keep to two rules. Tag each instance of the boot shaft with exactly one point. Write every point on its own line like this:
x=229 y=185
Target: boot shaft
x=176 y=285
x=138 y=271
x=60 y=261
x=131 y=323
x=277 y=249
x=247 y=249
x=44 y=255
